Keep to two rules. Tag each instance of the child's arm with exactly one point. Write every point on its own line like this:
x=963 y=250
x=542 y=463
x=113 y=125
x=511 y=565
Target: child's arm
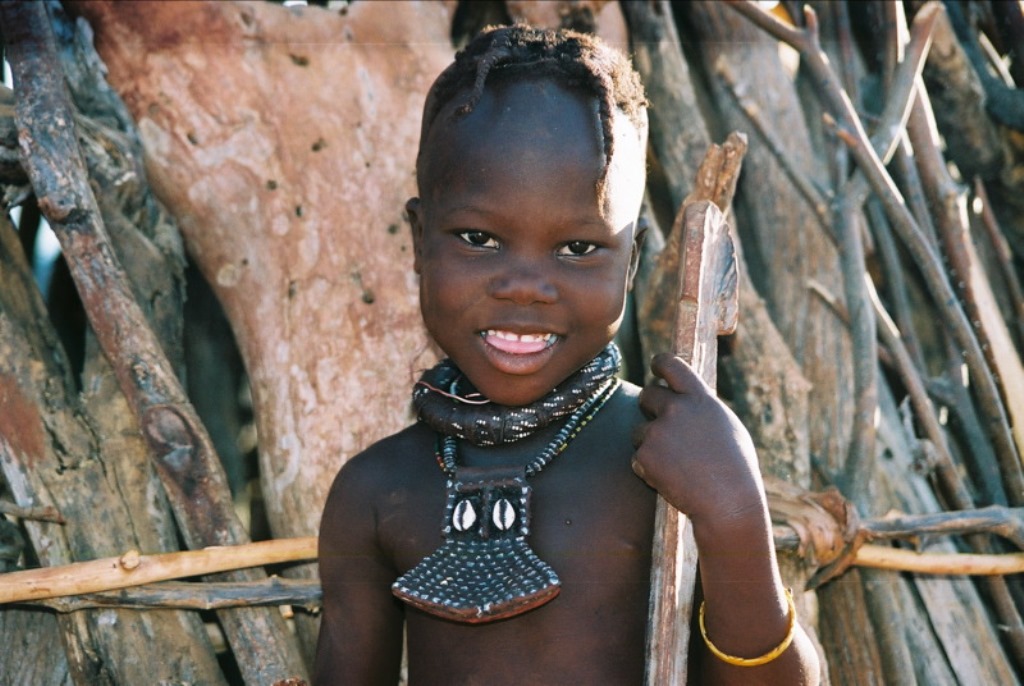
x=361 y=624
x=700 y=458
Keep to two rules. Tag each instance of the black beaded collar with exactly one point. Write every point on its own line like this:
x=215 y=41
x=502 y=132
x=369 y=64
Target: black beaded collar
x=446 y=401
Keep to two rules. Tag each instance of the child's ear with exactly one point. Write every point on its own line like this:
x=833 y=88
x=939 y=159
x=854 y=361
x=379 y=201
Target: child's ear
x=412 y=209
x=634 y=257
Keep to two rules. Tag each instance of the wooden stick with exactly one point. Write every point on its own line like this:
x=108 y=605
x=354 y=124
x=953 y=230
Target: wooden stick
x=189 y=595
x=884 y=557
x=36 y=514
x=91 y=582
x=715 y=181
x=707 y=307
x=135 y=569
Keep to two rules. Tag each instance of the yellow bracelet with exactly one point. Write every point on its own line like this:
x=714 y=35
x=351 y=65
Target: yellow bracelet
x=754 y=661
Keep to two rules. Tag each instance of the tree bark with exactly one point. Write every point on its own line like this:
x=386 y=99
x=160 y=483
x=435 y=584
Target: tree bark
x=51 y=455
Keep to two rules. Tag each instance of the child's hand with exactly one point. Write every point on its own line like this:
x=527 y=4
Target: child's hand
x=694 y=451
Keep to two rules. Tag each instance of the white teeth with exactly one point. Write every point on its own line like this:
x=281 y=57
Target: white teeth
x=524 y=338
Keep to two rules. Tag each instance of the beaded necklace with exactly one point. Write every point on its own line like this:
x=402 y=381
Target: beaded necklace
x=485 y=569
x=446 y=401
x=447 y=456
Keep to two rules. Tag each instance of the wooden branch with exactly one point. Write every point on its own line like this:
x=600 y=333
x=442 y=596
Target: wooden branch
x=895 y=279
x=135 y=569
x=304 y=593
x=923 y=409
x=1004 y=259
x=899 y=96
x=802 y=520
x=715 y=181
x=707 y=308
x=979 y=300
x=182 y=450
x=36 y=514
x=884 y=557
x=851 y=131
x=860 y=460
x=1007 y=522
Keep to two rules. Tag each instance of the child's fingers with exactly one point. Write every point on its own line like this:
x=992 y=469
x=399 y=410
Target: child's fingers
x=679 y=376
x=654 y=399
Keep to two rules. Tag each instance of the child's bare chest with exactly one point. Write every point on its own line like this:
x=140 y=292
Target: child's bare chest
x=592 y=521
x=586 y=506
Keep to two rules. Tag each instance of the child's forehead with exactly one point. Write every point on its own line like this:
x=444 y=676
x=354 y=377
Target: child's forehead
x=522 y=132
x=539 y=116
x=529 y=100
x=528 y=110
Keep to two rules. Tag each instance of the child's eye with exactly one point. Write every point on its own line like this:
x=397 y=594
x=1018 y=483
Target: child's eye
x=577 y=248
x=478 y=239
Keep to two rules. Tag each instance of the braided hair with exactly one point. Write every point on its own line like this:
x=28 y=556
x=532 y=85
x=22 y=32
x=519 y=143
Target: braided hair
x=576 y=60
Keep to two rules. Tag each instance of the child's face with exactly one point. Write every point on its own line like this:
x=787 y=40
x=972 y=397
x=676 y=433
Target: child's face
x=523 y=273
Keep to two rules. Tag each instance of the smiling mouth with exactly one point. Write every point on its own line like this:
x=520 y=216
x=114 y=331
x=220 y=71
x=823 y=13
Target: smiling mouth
x=519 y=344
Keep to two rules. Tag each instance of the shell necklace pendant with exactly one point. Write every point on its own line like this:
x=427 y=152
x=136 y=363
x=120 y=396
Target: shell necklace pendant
x=486 y=570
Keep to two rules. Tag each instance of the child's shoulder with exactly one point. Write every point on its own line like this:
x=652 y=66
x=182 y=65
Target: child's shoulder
x=613 y=429
x=395 y=458
x=625 y=404
x=630 y=393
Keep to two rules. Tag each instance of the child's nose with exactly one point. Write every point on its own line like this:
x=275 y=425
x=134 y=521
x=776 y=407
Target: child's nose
x=524 y=282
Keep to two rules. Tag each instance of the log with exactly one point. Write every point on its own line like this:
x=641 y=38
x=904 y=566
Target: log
x=284 y=142
x=197 y=596
x=294 y=216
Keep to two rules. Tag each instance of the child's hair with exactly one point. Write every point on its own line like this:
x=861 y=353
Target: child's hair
x=577 y=60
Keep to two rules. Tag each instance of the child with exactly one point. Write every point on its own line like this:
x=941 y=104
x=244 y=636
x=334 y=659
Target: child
x=508 y=532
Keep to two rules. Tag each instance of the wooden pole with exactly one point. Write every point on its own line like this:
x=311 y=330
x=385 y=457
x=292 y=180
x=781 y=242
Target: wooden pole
x=707 y=307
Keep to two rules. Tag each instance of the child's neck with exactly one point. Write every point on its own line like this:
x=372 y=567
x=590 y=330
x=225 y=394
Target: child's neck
x=517 y=454
x=441 y=404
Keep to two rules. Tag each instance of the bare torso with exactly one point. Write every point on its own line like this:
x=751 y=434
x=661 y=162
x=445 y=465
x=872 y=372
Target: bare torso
x=592 y=521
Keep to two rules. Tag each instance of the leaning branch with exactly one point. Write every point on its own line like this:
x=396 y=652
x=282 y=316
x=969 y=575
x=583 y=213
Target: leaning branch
x=172 y=595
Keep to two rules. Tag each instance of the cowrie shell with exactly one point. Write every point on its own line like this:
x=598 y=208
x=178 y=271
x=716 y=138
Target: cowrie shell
x=464 y=516
x=503 y=515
